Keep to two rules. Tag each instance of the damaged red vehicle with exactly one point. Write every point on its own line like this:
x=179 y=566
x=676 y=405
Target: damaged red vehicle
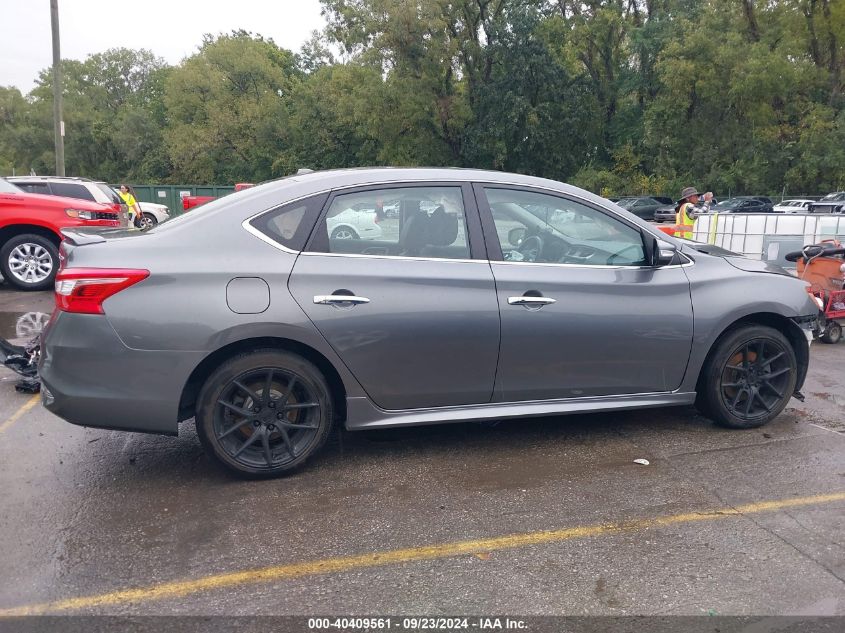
x=30 y=226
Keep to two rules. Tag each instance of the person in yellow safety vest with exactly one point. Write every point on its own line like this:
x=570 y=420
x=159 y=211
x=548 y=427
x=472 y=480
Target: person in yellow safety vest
x=686 y=212
x=128 y=197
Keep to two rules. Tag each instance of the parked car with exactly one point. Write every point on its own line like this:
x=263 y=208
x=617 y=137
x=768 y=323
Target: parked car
x=665 y=213
x=189 y=202
x=743 y=204
x=353 y=224
x=831 y=203
x=30 y=226
x=644 y=206
x=70 y=187
x=152 y=213
x=513 y=296
x=793 y=206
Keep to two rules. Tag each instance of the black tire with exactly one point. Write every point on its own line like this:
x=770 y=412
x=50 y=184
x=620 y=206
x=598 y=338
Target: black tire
x=148 y=221
x=832 y=333
x=36 y=243
x=737 y=391
x=339 y=231
x=223 y=433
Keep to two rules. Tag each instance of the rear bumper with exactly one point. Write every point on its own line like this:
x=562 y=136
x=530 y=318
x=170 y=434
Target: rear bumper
x=92 y=379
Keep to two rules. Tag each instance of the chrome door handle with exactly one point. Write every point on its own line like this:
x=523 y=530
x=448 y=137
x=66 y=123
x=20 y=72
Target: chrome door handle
x=332 y=299
x=530 y=301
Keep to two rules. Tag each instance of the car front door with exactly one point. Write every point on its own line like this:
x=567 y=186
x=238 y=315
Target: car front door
x=582 y=314
x=412 y=310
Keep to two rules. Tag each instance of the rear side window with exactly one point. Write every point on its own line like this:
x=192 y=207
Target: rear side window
x=291 y=223
x=71 y=190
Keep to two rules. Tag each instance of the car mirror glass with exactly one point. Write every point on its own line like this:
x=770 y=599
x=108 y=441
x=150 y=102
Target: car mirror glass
x=664 y=253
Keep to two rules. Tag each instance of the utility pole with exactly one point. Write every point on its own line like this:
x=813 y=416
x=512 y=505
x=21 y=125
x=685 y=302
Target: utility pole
x=58 y=123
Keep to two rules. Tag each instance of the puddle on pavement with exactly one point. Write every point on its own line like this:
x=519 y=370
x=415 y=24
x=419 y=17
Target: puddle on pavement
x=22 y=326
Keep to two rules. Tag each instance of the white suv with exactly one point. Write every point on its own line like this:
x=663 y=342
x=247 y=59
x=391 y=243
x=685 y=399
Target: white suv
x=79 y=188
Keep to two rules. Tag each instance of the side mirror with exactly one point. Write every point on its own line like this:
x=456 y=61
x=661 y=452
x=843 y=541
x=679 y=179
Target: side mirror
x=660 y=253
x=515 y=236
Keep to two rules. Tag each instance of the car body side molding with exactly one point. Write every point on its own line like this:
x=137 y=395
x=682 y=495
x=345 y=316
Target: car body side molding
x=362 y=414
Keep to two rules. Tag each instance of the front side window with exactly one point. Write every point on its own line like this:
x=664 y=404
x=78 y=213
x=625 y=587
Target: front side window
x=541 y=228
x=403 y=222
x=107 y=194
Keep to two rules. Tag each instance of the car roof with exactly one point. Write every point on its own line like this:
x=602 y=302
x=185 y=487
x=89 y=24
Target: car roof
x=363 y=176
x=54 y=178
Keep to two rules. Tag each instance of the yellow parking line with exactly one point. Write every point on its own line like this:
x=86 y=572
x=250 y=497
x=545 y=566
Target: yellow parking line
x=380 y=559
x=17 y=414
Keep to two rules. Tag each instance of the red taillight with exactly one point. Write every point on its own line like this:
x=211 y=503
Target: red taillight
x=83 y=290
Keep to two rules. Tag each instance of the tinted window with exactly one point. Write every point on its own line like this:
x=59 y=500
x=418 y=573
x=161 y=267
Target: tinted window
x=541 y=228
x=290 y=224
x=35 y=187
x=405 y=222
x=71 y=190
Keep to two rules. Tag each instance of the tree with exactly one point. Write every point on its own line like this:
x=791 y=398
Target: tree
x=227 y=109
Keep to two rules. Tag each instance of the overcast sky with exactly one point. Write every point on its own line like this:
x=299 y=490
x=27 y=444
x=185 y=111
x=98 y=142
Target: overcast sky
x=171 y=29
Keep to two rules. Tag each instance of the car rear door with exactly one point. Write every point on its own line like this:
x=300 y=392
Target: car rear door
x=412 y=311
x=582 y=315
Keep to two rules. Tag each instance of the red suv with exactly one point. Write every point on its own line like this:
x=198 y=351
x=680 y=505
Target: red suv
x=30 y=226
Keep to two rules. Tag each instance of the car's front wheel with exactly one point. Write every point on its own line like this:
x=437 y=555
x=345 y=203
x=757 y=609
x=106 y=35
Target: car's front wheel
x=344 y=233
x=263 y=414
x=29 y=262
x=147 y=221
x=749 y=378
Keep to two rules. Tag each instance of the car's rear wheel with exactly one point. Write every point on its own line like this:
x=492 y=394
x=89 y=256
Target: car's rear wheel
x=749 y=378
x=263 y=414
x=29 y=262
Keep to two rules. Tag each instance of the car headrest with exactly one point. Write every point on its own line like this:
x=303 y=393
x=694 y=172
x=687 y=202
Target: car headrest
x=443 y=228
x=414 y=235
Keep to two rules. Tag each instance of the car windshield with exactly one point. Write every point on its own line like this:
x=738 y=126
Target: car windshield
x=7 y=187
x=626 y=202
x=835 y=196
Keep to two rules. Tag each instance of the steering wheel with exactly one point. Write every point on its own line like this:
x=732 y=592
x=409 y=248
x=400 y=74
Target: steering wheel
x=613 y=257
x=531 y=248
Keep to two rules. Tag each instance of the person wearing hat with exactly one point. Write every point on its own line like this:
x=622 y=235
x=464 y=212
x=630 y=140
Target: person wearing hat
x=685 y=210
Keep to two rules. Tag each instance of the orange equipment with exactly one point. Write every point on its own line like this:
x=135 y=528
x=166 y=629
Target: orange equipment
x=823 y=266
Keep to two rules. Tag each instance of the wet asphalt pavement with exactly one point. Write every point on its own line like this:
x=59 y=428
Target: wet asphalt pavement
x=551 y=515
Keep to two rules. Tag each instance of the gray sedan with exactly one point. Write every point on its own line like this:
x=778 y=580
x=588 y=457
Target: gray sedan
x=485 y=296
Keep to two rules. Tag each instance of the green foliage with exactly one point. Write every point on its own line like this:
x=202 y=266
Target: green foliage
x=617 y=96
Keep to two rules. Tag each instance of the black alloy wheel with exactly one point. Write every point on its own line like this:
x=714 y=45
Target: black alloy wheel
x=749 y=377
x=265 y=413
